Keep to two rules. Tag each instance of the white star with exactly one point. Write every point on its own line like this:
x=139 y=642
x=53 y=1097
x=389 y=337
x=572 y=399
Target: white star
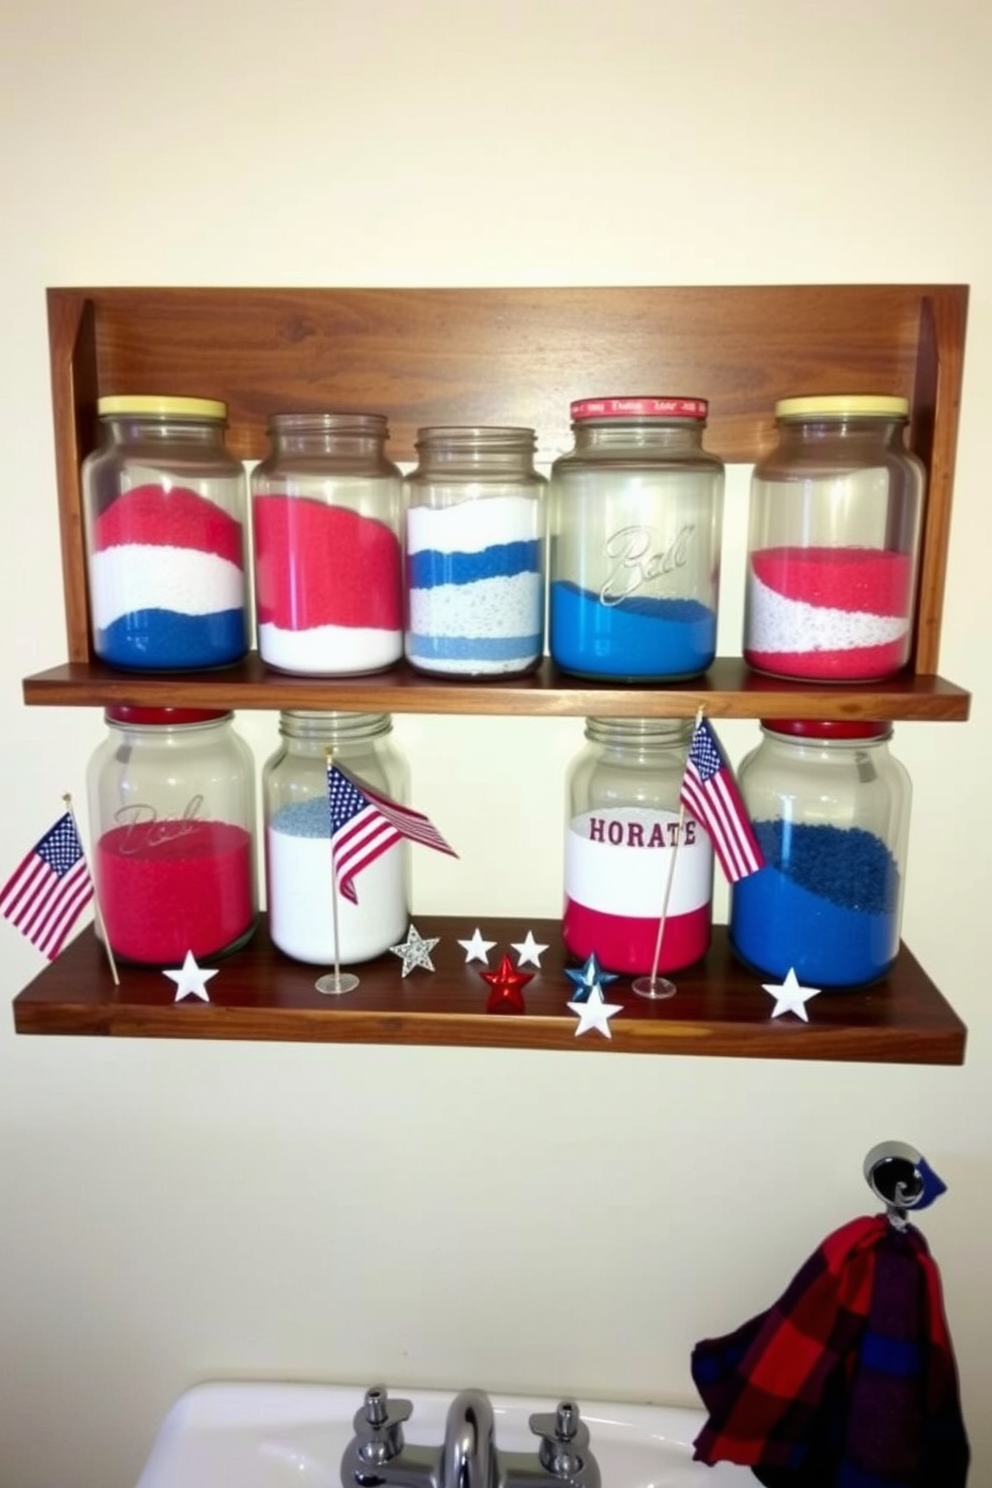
x=191 y=979
x=415 y=951
x=790 y=997
x=594 y=1013
x=477 y=949
x=528 y=951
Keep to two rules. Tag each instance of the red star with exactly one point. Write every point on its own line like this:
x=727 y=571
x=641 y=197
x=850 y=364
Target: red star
x=506 y=982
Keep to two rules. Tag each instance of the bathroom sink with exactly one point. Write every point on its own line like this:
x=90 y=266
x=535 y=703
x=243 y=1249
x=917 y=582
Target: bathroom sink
x=259 y=1435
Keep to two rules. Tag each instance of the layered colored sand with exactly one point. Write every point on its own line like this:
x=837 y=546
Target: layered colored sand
x=829 y=614
x=328 y=587
x=475 y=586
x=637 y=640
x=167 y=586
x=825 y=904
x=161 y=895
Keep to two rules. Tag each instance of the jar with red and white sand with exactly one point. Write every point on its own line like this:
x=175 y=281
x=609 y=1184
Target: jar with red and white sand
x=833 y=542
x=172 y=825
x=326 y=513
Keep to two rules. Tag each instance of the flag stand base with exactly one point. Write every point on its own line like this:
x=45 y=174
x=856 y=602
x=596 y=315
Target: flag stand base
x=336 y=982
x=657 y=988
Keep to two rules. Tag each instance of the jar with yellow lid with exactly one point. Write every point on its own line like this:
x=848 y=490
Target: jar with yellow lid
x=165 y=507
x=833 y=542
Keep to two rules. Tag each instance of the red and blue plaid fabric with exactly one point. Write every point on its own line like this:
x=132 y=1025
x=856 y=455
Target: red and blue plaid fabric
x=849 y=1381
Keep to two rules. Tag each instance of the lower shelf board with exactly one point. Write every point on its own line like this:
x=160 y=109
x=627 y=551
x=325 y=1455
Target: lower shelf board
x=719 y=1008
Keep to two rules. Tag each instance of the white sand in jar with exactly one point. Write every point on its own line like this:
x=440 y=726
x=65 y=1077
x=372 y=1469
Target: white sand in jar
x=778 y=624
x=127 y=579
x=329 y=650
x=301 y=919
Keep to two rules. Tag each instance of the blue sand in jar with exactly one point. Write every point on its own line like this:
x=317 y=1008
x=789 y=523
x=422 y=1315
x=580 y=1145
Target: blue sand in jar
x=474 y=648
x=825 y=904
x=160 y=640
x=638 y=638
x=430 y=567
x=310 y=818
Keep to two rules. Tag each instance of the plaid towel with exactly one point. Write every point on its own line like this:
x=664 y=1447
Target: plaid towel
x=849 y=1381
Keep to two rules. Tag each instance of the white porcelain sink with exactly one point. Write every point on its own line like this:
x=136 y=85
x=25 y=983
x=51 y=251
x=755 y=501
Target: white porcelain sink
x=257 y=1435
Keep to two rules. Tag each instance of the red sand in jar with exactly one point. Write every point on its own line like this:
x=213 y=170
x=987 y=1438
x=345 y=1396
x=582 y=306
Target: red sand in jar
x=877 y=581
x=189 y=892
x=324 y=565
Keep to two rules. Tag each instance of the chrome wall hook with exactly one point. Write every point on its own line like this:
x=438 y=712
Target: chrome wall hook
x=902 y=1178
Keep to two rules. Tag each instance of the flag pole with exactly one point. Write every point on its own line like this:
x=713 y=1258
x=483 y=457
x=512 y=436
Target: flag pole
x=97 y=912
x=337 y=983
x=654 y=986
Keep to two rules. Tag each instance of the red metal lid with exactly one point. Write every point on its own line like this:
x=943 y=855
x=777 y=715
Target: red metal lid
x=164 y=717
x=620 y=408
x=827 y=728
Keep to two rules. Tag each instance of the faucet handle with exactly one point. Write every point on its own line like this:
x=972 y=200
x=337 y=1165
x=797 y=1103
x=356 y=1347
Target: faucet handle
x=564 y=1442
x=379 y=1426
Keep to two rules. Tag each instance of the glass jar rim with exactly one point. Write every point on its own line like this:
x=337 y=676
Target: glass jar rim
x=145 y=717
x=159 y=405
x=843 y=405
x=471 y=434
x=618 y=410
x=330 y=419
x=827 y=728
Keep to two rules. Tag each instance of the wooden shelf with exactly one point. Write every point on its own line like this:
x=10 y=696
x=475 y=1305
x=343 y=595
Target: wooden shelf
x=729 y=690
x=719 y=1009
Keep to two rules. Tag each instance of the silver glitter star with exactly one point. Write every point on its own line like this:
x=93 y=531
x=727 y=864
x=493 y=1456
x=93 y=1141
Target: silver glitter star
x=415 y=951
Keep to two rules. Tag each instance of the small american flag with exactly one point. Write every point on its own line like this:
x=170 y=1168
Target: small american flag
x=49 y=888
x=364 y=825
x=710 y=792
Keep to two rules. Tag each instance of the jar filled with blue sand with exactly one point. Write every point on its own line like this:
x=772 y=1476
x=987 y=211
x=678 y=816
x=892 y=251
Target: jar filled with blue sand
x=635 y=514
x=830 y=808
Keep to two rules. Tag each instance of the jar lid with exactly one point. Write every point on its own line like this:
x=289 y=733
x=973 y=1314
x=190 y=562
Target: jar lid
x=623 y=408
x=163 y=717
x=161 y=407
x=827 y=728
x=843 y=405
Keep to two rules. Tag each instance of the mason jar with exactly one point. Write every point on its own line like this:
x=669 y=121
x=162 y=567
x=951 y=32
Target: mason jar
x=303 y=901
x=475 y=548
x=635 y=513
x=833 y=542
x=628 y=850
x=830 y=808
x=172 y=820
x=164 y=512
x=327 y=514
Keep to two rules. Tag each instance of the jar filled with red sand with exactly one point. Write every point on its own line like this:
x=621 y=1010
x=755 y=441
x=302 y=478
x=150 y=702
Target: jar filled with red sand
x=172 y=822
x=326 y=511
x=833 y=542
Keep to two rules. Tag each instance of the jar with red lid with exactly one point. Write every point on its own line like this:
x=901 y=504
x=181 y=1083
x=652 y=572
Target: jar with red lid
x=833 y=542
x=635 y=513
x=830 y=808
x=172 y=824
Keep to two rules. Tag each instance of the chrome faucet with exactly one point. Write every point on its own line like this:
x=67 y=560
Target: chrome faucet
x=378 y=1455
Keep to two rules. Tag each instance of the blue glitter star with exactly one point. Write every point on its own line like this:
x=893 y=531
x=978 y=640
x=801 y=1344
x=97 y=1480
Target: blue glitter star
x=589 y=978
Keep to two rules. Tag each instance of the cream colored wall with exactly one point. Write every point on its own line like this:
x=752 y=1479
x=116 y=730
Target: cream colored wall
x=170 y=1212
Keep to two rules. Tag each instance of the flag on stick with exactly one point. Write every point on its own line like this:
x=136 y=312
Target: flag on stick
x=711 y=793
x=49 y=888
x=364 y=825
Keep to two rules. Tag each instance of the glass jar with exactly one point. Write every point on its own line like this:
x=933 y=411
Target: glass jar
x=172 y=820
x=635 y=515
x=833 y=542
x=830 y=808
x=298 y=857
x=475 y=553
x=624 y=840
x=327 y=512
x=164 y=509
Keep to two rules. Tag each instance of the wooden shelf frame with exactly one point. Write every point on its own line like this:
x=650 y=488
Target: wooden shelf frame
x=719 y=1009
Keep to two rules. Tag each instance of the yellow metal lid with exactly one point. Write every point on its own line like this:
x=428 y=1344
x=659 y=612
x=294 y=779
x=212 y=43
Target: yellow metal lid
x=162 y=407
x=843 y=405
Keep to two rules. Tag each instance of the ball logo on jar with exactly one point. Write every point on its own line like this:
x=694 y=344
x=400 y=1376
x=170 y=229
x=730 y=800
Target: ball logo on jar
x=617 y=864
x=144 y=828
x=634 y=564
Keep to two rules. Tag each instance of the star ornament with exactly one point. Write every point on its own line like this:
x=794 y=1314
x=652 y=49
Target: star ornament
x=506 y=983
x=529 y=951
x=190 y=979
x=477 y=949
x=790 y=997
x=415 y=951
x=593 y=1012
x=590 y=978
